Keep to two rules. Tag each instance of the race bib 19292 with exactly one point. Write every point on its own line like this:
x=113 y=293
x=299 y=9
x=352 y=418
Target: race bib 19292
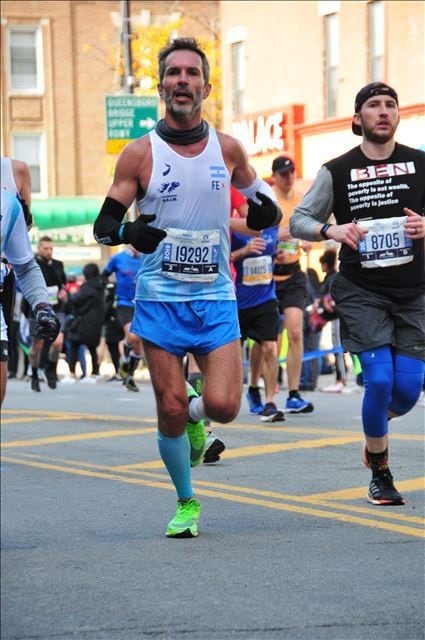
x=191 y=256
x=385 y=244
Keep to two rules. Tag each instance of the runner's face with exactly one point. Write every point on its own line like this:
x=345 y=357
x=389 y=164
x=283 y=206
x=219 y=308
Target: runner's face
x=285 y=182
x=378 y=118
x=183 y=88
x=45 y=250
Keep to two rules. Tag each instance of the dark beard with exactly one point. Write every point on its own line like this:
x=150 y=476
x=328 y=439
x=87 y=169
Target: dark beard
x=378 y=139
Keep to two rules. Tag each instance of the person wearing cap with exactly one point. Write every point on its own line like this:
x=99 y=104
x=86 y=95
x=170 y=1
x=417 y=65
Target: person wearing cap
x=376 y=192
x=290 y=281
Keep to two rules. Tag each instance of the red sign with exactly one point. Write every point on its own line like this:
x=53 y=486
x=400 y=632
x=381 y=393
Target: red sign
x=269 y=131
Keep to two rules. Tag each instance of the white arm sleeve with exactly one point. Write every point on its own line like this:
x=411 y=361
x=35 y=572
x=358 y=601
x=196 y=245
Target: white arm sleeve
x=258 y=185
x=32 y=283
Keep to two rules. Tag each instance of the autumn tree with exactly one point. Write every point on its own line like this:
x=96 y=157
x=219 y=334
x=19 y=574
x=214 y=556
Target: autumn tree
x=146 y=43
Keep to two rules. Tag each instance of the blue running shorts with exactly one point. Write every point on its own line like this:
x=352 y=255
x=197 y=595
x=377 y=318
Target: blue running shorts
x=198 y=326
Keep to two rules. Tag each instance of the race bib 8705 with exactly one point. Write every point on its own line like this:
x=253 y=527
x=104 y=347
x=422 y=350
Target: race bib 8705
x=191 y=256
x=386 y=244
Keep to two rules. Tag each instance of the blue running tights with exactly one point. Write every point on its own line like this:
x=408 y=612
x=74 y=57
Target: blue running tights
x=392 y=382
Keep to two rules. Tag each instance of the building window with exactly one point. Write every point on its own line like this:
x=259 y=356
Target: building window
x=30 y=148
x=25 y=59
x=238 y=76
x=331 y=62
x=376 y=40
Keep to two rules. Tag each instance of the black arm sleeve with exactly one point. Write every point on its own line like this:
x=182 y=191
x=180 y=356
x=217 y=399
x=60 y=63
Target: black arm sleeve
x=107 y=223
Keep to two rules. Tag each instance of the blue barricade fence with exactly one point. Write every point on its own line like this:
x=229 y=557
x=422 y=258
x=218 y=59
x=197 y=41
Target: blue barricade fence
x=319 y=353
x=310 y=355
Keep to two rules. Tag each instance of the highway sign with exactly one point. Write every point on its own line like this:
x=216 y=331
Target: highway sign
x=127 y=118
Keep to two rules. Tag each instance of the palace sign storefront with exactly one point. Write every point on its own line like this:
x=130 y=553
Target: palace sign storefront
x=267 y=134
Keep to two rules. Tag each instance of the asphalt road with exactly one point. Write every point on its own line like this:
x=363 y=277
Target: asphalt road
x=288 y=546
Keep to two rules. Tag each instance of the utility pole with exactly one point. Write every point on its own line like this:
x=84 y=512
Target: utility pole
x=126 y=38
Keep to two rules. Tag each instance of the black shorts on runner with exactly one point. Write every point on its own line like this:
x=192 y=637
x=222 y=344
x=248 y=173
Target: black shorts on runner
x=292 y=292
x=260 y=323
x=125 y=314
x=370 y=320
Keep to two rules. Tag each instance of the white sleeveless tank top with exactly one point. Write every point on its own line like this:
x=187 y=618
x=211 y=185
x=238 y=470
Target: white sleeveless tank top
x=191 y=200
x=7 y=178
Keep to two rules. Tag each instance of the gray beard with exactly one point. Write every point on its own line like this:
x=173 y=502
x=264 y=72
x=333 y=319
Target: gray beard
x=182 y=112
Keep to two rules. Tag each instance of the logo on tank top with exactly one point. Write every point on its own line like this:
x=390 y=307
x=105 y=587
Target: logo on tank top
x=168 y=189
x=218 y=176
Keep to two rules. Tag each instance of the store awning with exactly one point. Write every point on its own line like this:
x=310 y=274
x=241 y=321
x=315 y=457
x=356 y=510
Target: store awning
x=55 y=213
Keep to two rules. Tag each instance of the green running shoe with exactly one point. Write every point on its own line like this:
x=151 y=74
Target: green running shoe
x=123 y=370
x=185 y=522
x=196 y=433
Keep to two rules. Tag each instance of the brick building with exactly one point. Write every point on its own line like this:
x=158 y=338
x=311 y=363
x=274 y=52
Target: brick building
x=289 y=73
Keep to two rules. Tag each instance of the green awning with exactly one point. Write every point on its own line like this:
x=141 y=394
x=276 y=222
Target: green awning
x=54 y=213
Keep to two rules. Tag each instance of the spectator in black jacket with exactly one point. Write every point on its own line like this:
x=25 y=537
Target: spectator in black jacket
x=328 y=263
x=88 y=308
x=44 y=355
x=113 y=329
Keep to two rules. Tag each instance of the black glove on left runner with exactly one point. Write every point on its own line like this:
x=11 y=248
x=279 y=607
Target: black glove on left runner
x=143 y=237
x=264 y=215
x=47 y=324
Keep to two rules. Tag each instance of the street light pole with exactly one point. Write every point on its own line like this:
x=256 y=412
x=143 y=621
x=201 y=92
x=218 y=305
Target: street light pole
x=126 y=36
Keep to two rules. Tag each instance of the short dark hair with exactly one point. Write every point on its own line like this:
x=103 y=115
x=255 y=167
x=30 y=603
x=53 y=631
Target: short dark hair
x=45 y=239
x=189 y=44
x=91 y=270
x=329 y=258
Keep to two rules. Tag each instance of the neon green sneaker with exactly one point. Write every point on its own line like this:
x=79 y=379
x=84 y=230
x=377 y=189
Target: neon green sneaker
x=185 y=522
x=196 y=433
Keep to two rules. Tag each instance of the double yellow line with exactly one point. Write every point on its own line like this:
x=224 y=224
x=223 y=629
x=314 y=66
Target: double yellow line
x=331 y=504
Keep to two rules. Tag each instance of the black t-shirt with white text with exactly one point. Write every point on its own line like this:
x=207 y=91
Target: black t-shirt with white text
x=372 y=189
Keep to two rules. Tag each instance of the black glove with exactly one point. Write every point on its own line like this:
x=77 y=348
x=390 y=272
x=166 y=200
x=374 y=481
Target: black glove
x=141 y=236
x=47 y=324
x=264 y=215
x=27 y=212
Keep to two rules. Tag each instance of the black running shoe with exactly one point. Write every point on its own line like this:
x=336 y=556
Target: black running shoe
x=131 y=385
x=51 y=380
x=213 y=448
x=35 y=385
x=271 y=413
x=382 y=490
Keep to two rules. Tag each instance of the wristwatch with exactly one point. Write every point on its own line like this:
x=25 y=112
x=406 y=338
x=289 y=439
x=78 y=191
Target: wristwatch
x=324 y=229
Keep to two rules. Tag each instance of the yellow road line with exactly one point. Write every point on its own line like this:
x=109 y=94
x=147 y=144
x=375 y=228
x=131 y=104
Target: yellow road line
x=352 y=494
x=341 y=517
x=261 y=449
x=407 y=486
x=256 y=450
x=76 y=437
x=232 y=453
x=261 y=428
x=61 y=415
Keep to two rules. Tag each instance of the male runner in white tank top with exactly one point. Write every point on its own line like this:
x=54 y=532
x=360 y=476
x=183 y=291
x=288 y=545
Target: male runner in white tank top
x=16 y=179
x=180 y=174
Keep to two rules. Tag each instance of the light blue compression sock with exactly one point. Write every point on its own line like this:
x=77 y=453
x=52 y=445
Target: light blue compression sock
x=408 y=382
x=175 y=453
x=378 y=376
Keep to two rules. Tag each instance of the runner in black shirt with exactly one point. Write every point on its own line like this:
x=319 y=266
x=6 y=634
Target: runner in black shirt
x=376 y=192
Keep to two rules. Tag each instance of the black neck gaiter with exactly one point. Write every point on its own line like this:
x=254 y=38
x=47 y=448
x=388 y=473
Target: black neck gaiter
x=175 y=136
